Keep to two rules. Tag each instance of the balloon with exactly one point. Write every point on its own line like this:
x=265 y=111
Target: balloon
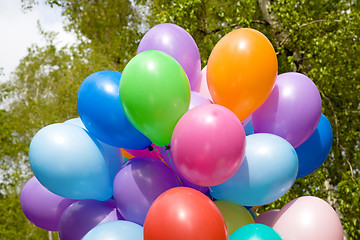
x=178 y=43
x=126 y=154
x=138 y=183
x=184 y=213
x=267 y=173
x=241 y=71
x=151 y=151
x=267 y=218
x=292 y=111
x=84 y=215
x=167 y=157
x=197 y=99
x=314 y=151
x=255 y=231
x=113 y=154
x=100 y=110
x=253 y=213
x=115 y=230
x=308 y=218
x=249 y=128
x=208 y=145
x=155 y=93
x=235 y=215
x=69 y=162
x=202 y=86
x=42 y=207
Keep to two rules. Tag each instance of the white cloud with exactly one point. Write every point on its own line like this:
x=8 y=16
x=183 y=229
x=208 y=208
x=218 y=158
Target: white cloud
x=18 y=31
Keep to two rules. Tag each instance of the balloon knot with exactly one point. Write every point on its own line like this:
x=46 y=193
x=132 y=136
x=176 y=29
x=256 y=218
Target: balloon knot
x=150 y=148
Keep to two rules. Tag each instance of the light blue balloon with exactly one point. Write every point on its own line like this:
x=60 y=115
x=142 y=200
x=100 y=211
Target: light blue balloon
x=314 y=151
x=268 y=171
x=255 y=231
x=115 y=230
x=113 y=154
x=69 y=162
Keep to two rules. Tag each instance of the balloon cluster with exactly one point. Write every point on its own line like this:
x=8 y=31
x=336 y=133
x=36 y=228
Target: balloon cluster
x=165 y=150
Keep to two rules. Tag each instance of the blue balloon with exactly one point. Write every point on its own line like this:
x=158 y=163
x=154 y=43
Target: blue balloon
x=115 y=230
x=99 y=107
x=255 y=231
x=267 y=172
x=314 y=151
x=69 y=162
x=249 y=128
x=113 y=154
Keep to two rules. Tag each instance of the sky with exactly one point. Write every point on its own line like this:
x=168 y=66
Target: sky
x=18 y=31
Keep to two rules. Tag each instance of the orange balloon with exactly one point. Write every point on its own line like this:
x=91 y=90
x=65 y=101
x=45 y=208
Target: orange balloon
x=184 y=213
x=126 y=154
x=241 y=71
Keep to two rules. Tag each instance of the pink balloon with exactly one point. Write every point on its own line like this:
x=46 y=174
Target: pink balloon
x=208 y=145
x=202 y=86
x=308 y=218
x=268 y=217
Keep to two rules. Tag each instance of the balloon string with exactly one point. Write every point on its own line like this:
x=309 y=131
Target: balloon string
x=167 y=151
x=210 y=189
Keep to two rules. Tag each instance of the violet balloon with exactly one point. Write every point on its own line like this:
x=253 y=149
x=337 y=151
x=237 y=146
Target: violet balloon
x=84 y=215
x=178 y=43
x=202 y=86
x=138 y=183
x=42 y=207
x=292 y=110
x=168 y=159
x=208 y=145
x=197 y=99
x=267 y=218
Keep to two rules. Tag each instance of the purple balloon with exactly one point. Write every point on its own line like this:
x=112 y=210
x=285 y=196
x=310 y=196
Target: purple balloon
x=292 y=110
x=42 y=207
x=138 y=183
x=178 y=43
x=198 y=99
x=84 y=215
x=168 y=158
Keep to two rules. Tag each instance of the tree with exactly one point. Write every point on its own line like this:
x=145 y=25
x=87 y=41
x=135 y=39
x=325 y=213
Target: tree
x=317 y=38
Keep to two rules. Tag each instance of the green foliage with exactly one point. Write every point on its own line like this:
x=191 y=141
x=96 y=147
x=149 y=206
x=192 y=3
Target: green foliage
x=317 y=38
x=14 y=224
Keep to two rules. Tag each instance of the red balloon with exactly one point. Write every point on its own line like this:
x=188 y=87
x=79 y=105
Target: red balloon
x=184 y=213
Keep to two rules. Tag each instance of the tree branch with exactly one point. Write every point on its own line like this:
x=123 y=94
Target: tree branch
x=304 y=25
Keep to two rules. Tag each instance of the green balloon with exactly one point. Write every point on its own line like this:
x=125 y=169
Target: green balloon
x=155 y=93
x=255 y=231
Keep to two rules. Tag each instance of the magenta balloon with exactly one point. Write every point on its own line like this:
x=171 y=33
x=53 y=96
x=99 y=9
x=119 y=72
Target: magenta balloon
x=168 y=158
x=42 y=207
x=268 y=217
x=138 y=183
x=178 y=43
x=197 y=99
x=292 y=110
x=308 y=218
x=208 y=145
x=147 y=152
x=84 y=215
